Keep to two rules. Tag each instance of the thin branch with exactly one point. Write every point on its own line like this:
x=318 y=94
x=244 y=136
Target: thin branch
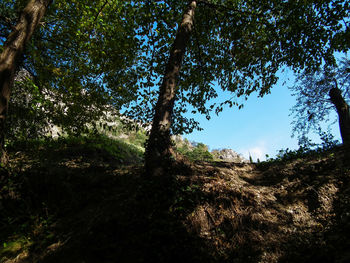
x=99 y=12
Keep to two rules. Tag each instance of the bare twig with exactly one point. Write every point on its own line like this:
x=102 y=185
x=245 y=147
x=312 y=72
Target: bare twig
x=99 y=12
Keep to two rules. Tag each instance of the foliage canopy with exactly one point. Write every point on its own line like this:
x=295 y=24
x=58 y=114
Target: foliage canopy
x=236 y=46
x=81 y=59
x=99 y=52
x=313 y=109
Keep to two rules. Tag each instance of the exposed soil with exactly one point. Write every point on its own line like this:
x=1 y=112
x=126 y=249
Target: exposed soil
x=87 y=207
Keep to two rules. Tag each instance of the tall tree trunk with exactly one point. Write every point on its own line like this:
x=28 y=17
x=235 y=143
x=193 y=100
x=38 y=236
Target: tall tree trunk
x=343 y=114
x=158 y=150
x=12 y=51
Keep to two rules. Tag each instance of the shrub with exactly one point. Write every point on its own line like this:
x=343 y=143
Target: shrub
x=198 y=153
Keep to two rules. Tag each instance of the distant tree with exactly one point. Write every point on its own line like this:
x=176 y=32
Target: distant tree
x=318 y=94
x=198 y=152
x=201 y=153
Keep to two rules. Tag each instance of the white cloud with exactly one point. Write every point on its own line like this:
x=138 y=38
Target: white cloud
x=256 y=152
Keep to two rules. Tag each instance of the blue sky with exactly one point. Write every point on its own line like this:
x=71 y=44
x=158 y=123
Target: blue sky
x=262 y=127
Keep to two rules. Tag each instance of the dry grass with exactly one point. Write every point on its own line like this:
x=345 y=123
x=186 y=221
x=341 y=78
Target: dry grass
x=97 y=210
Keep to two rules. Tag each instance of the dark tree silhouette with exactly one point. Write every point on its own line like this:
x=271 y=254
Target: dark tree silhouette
x=343 y=114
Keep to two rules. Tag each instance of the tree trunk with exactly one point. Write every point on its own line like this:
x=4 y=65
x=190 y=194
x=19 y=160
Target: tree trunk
x=158 y=151
x=343 y=114
x=12 y=51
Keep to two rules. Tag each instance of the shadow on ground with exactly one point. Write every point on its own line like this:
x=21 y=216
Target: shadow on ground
x=87 y=207
x=98 y=213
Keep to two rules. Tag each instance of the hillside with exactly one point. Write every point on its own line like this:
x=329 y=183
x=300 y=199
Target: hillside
x=80 y=201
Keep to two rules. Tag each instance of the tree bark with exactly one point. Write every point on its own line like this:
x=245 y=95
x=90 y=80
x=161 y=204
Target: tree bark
x=343 y=114
x=12 y=51
x=158 y=154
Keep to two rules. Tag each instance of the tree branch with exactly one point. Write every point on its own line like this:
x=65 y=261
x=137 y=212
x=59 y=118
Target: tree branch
x=99 y=12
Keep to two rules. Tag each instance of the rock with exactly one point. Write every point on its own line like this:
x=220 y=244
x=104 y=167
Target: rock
x=228 y=155
x=181 y=142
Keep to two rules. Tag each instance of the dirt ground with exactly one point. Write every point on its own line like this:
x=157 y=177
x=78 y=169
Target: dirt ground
x=86 y=207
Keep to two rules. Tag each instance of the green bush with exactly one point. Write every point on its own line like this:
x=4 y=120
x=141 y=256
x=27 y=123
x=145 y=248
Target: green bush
x=118 y=149
x=198 y=153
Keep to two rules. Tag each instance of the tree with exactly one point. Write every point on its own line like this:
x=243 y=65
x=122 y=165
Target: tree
x=86 y=56
x=158 y=151
x=318 y=93
x=239 y=45
x=343 y=111
x=81 y=60
x=12 y=50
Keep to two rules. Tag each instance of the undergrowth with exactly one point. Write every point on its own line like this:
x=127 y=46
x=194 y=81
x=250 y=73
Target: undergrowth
x=197 y=153
x=287 y=154
x=122 y=150
x=37 y=186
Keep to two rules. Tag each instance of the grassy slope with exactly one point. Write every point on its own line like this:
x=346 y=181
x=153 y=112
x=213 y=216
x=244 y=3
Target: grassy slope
x=86 y=201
